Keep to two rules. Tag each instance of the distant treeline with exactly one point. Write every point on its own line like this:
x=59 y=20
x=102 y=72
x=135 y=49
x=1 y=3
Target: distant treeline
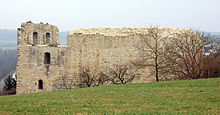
x=8 y=60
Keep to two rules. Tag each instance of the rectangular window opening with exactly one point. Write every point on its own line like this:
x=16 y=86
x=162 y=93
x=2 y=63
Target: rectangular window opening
x=47 y=58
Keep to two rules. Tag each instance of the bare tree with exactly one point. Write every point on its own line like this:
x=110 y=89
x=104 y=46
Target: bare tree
x=152 y=52
x=102 y=79
x=89 y=78
x=184 y=56
x=122 y=75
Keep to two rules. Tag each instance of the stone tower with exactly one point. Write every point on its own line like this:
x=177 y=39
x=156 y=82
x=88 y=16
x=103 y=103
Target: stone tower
x=39 y=55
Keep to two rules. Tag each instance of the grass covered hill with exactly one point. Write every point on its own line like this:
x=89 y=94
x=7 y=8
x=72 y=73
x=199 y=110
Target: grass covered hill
x=174 y=97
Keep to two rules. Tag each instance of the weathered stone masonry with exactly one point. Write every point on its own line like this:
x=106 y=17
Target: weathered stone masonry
x=42 y=61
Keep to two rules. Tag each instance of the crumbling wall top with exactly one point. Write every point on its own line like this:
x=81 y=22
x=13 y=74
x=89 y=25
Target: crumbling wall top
x=39 y=34
x=122 y=31
x=29 y=23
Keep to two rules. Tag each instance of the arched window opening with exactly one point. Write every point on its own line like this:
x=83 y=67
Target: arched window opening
x=40 y=84
x=47 y=58
x=47 y=38
x=35 y=38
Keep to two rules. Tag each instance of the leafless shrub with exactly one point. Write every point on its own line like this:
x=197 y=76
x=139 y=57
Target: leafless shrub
x=89 y=78
x=102 y=79
x=122 y=74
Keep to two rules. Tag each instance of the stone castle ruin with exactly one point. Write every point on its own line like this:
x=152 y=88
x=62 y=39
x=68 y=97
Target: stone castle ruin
x=43 y=62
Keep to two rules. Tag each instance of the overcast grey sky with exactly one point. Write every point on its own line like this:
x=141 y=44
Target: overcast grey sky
x=72 y=14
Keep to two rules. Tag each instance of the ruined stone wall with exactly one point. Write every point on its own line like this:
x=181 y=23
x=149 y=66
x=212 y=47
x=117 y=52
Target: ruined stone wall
x=105 y=48
x=99 y=49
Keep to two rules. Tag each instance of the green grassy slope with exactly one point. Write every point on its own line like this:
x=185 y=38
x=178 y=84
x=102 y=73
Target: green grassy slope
x=174 y=97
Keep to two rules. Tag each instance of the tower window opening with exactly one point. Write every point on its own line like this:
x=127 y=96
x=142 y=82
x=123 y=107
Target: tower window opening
x=47 y=58
x=35 y=38
x=47 y=38
x=40 y=84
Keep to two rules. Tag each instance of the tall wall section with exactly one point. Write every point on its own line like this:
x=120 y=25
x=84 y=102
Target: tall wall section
x=103 y=49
